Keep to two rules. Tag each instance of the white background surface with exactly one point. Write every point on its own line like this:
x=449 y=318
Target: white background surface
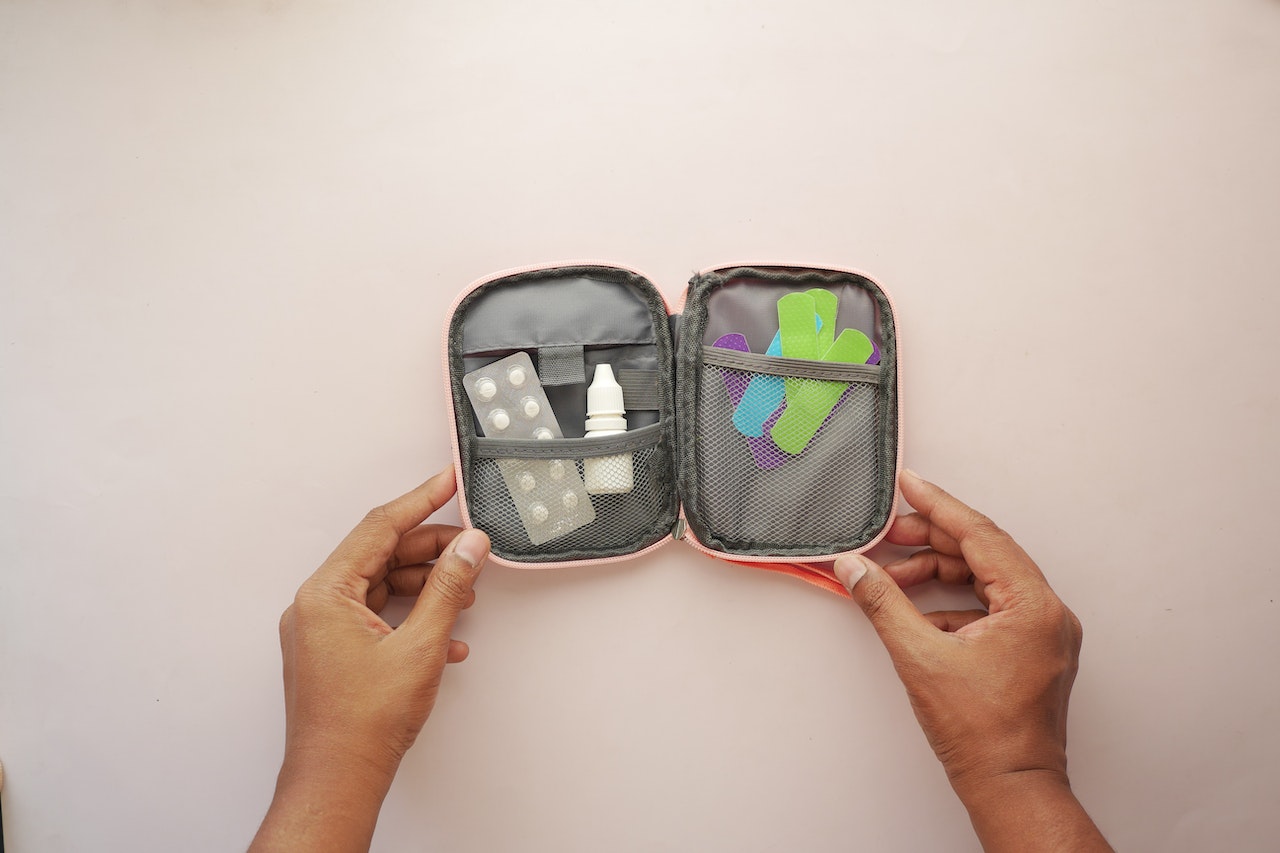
x=228 y=235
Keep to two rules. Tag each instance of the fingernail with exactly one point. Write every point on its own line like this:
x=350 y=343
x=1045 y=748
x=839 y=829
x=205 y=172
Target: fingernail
x=471 y=546
x=912 y=474
x=849 y=570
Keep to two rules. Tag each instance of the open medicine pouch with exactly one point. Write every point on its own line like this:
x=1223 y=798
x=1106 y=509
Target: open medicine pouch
x=761 y=422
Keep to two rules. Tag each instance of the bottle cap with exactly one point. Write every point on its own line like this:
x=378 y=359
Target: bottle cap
x=604 y=397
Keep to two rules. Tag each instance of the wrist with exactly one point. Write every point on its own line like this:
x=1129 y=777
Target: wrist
x=1028 y=810
x=319 y=763
x=324 y=801
x=1006 y=789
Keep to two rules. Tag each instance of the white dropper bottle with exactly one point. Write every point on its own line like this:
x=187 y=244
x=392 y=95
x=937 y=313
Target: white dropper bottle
x=606 y=475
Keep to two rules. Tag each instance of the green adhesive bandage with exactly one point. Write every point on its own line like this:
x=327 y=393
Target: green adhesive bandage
x=826 y=304
x=796 y=326
x=810 y=401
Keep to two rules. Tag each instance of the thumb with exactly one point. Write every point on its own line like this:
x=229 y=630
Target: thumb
x=901 y=627
x=447 y=590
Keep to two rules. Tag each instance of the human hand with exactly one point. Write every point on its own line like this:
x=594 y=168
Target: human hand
x=990 y=688
x=358 y=692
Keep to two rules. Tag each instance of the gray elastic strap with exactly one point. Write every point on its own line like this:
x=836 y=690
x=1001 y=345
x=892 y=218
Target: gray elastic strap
x=640 y=389
x=797 y=367
x=561 y=365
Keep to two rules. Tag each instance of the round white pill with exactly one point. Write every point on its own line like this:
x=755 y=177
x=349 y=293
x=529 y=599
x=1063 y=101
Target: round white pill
x=516 y=376
x=539 y=513
x=486 y=389
x=569 y=499
x=531 y=407
x=542 y=433
x=556 y=469
x=500 y=419
x=527 y=481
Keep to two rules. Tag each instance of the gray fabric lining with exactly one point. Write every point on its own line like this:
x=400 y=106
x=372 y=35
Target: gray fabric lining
x=620 y=318
x=569 y=307
x=641 y=389
x=741 y=297
x=561 y=365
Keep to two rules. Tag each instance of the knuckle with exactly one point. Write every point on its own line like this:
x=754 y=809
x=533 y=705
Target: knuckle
x=982 y=529
x=451 y=587
x=1054 y=614
x=286 y=621
x=378 y=516
x=876 y=600
x=1077 y=629
x=304 y=604
x=378 y=522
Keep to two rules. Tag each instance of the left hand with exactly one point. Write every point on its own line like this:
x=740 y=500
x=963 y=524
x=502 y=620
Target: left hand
x=358 y=692
x=352 y=684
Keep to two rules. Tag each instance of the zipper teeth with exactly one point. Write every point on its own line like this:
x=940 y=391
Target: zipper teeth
x=592 y=561
x=790 y=265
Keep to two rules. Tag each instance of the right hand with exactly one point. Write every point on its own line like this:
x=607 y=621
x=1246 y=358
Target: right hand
x=990 y=688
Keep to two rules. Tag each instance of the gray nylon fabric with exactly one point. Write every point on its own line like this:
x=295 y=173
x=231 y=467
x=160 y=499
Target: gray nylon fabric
x=739 y=294
x=619 y=318
x=569 y=307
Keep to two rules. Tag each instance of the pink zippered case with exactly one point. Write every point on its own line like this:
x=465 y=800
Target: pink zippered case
x=698 y=470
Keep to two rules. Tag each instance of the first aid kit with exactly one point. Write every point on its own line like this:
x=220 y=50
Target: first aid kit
x=757 y=420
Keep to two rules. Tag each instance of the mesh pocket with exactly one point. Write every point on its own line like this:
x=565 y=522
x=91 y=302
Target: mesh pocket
x=622 y=522
x=755 y=497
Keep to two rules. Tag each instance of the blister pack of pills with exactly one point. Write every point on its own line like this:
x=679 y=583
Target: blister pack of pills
x=549 y=494
x=509 y=401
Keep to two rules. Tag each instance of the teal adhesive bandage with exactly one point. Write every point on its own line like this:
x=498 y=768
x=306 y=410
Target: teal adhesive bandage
x=765 y=393
x=762 y=398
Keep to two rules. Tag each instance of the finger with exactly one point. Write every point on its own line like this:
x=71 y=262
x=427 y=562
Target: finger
x=929 y=565
x=954 y=620
x=446 y=591
x=365 y=551
x=410 y=580
x=990 y=552
x=980 y=590
x=904 y=632
x=915 y=530
x=422 y=544
x=458 y=651
x=404 y=582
